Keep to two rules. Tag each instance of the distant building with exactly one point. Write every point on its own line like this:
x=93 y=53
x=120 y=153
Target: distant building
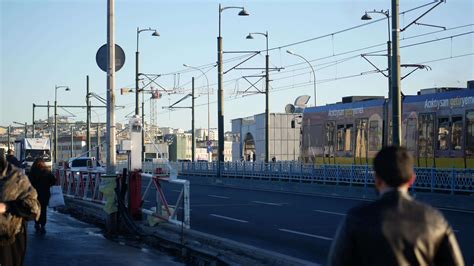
x=249 y=137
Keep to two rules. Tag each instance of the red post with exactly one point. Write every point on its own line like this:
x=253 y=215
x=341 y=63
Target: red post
x=135 y=190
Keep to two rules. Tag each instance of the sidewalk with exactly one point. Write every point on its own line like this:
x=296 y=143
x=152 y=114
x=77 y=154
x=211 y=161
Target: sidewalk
x=72 y=242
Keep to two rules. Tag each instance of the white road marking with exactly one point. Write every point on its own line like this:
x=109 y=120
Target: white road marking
x=219 y=197
x=455 y=210
x=268 y=203
x=229 y=218
x=335 y=213
x=306 y=234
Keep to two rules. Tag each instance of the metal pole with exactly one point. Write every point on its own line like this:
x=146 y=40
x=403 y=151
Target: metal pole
x=193 y=140
x=267 y=106
x=143 y=126
x=137 y=92
x=8 y=137
x=88 y=119
x=220 y=101
x=55 y=125
x=396 y=86
x=386 y=123
x=26 y=130
x=49 y=128
x=33 y=122
x=111 y=88
x=98 y=141
x=72 y=142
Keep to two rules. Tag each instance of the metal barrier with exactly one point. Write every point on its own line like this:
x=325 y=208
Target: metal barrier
x=85 y=185
x=442 y=180
x=82 y=185
x=163 y=210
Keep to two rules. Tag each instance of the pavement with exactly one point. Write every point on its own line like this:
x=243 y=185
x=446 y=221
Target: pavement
x=72 y=242
x=296 y=225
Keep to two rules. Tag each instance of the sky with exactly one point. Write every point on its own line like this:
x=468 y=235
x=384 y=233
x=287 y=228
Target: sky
x=48 y=43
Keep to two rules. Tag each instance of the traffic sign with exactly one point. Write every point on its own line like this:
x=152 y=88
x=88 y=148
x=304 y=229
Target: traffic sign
x=101 y=57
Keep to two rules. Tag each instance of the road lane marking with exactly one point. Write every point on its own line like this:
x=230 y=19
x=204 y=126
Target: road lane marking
x=229 y=218
x=305 y=234
x=455 y=210
x=219 y=197
x=328 y=212
x=268 y=203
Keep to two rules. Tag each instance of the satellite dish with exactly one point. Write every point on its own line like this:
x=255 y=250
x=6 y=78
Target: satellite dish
x=302 y=100
x=290 y=108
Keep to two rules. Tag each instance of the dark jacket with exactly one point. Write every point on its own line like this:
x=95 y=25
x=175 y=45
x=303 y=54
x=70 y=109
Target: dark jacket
x=13 y=160
x=395 y=230
x=21 y=200
x=42 y=180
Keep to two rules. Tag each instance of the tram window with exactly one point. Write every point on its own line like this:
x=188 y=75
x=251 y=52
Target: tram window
x=374 y=136
x=443 y=133
x=425 y=135
x=316 y=135
x=330 y=133
x=348 y=137
x=470 y=132
x=340 y=137
x=456 y=133
x=410 y=138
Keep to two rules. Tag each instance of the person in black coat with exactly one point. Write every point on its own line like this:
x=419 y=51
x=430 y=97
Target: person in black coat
x=395 y=229
x=42 y=179
x=18 y=204
x=12 y=159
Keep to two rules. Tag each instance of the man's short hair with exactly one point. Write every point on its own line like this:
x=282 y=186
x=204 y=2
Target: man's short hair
x=394 y=165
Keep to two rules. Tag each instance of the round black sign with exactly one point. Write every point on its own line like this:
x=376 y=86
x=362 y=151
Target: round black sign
x=101 y=57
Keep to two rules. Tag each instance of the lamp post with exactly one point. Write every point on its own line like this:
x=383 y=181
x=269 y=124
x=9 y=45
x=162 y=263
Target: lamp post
x=137 y=80
x=66 y=88
x=386 y=13
x=267 y=91
x=220 y=88
x=312 y=69
x=209 y=155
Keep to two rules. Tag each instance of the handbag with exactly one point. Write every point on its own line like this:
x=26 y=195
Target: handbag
x=57 y=197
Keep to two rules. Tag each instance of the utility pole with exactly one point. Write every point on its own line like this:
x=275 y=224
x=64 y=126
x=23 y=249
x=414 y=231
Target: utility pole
x=88 y=119
x=143 y=126
x=33 y=122
x=8 y=136
x=220 y=100
x=395 y=76
x=72 y=141
x=111 y=87
x=267 y=102
x=193 y=137
x=98 y=141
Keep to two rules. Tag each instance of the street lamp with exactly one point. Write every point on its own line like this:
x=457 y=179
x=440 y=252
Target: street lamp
x=267 y=91
x=209 y=155
x=137 y=89
x=220 y=87
x=66 y=88
x=386 y=13
x=312 y=69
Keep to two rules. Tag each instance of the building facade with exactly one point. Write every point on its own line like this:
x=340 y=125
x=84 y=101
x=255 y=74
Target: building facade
x=249 y=137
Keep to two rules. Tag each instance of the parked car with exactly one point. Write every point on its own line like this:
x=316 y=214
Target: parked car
x=85 y=164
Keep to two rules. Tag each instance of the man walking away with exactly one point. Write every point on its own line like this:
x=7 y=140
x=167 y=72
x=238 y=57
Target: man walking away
x=18 y=203
x=395 y=229
x=12 y=159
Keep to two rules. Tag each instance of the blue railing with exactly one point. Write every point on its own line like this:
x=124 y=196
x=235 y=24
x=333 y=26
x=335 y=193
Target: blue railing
x=428 y=179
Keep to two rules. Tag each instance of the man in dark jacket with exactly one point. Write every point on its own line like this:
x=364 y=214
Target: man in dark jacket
x=18 y=203
x=12 y=159
x=395 y=229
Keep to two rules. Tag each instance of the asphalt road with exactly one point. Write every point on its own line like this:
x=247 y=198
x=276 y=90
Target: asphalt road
x=296 y=225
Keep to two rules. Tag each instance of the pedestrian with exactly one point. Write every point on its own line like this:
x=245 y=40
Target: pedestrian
x=12 y=159
x=42 y=180
x=18 y=203
x=395 y=229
